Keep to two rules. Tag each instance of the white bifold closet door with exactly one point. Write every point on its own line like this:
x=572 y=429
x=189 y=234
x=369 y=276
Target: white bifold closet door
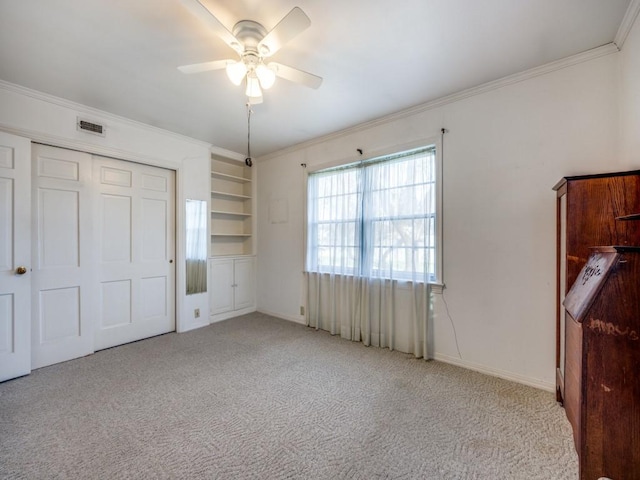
x=135 y=232
x=103 y=247
x=63 y=284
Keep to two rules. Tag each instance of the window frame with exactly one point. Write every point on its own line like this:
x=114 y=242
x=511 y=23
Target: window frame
x=436 y=142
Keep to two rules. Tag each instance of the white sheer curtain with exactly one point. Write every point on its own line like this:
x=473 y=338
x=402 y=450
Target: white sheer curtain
x=371 y=250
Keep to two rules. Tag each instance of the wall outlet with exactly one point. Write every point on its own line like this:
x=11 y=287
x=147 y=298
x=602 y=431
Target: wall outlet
x=301 y=310
x=196 y=313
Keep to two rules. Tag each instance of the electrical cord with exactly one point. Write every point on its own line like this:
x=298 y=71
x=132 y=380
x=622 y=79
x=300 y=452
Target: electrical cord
x=453 y=326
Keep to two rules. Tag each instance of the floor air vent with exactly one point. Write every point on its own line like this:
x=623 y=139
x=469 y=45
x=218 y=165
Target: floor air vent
x=90 y=127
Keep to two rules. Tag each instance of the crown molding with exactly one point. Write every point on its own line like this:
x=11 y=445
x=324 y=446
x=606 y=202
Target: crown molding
x=627 y=23
x=224 y=153
x=78 y=107
x=586 y=56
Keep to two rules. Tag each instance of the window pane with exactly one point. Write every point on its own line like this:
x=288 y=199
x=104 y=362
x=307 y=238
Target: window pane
x=375 y=218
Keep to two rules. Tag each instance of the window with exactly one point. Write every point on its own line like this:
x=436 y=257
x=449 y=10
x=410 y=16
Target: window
x=376 y=218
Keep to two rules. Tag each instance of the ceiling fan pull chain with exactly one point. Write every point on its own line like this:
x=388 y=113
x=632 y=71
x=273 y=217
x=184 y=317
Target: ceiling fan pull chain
x=248 y=161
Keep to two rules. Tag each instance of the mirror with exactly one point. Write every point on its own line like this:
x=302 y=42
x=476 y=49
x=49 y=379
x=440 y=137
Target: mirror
x=196 y=243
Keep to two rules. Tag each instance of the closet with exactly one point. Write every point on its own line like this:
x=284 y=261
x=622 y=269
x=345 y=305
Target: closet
x=87 y=251
x=102 y=253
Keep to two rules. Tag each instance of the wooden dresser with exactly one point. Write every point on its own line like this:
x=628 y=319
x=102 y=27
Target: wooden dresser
x=605 y=303
x=588 y=215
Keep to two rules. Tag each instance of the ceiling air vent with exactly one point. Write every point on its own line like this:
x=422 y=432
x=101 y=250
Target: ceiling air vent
x=90 y=127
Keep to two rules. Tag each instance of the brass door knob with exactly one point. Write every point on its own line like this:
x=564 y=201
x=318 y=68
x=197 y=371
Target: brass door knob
x=21 y=270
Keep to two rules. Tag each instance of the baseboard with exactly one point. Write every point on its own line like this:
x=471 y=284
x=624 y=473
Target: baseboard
x=193 y=326
x=227 y=315
x=295 y=319
x=531 y=382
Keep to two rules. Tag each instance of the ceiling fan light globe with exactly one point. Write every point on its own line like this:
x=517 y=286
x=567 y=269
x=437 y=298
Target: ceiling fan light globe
x=236 y=72
x=253 y=86
x=266 y=76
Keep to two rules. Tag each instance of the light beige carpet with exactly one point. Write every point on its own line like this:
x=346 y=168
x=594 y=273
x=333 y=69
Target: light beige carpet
x=259 y=397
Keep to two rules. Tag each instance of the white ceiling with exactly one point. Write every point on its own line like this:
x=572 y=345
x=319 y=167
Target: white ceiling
x=376 y=57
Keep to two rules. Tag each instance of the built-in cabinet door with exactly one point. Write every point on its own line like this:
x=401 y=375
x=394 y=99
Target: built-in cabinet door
x=62 y=284
x=135 y=233
x=15 y=256
x=221 y=281
x=243 y=283
x=232 y=285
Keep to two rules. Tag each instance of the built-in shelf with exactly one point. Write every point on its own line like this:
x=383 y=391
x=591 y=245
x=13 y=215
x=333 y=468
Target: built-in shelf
x=230 y=214
x=218 y=193
x=230 y=234
x=233 y=178
x=232 y=205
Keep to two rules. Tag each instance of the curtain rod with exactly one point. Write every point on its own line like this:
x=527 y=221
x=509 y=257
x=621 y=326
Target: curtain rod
x=375 y=160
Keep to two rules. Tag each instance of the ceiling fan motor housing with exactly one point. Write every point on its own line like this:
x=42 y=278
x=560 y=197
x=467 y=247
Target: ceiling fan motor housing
x=250 y=33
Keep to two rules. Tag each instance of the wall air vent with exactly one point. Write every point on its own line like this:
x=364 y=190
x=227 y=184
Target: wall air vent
x=91 y=127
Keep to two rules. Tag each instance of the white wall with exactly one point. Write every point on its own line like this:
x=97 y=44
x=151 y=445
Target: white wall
x=51 y=120
x=504 y=150
x=630 y=98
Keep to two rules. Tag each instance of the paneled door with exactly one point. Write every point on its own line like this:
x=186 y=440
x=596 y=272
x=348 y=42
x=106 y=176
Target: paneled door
x=134 y=226
x=15 y=256
x=63 y=276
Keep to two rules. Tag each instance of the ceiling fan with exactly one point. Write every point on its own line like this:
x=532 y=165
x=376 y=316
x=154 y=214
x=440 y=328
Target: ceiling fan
x=254 y=45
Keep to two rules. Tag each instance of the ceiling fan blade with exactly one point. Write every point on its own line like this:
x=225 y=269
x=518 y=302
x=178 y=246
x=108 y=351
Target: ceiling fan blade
x=205 y=67
x=295 y=75
x=293 y=23
x=199 y=10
